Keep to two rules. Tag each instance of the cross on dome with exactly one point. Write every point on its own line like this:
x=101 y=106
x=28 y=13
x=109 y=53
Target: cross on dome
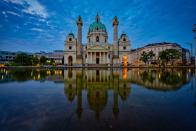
x=97 y=19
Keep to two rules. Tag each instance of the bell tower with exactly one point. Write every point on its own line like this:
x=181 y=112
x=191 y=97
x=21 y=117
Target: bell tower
x=79 y=40
x=115 y=41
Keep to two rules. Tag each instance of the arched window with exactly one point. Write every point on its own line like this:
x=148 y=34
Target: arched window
x=97 y=39
x=124 y=39
x=70 y=39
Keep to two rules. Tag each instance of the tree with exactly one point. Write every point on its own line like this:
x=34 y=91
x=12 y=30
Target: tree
x=163 y=58
x=23 y=59
x=150 y=55
x=52 y=62
x=35 y=60
x=43 y=60
x=169 y=55
x=173 y=55
x=146 y=56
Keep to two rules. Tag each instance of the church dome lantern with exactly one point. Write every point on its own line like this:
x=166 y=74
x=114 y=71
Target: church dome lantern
x=97 y=26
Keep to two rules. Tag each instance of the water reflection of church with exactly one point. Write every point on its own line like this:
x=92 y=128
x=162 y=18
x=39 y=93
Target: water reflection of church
x=96 y=88
x=98 y=84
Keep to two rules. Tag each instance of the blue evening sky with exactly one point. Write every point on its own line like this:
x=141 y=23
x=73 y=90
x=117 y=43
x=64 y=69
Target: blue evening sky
x=42 y=25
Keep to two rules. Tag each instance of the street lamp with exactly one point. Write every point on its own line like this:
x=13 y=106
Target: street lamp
x=191 y=47
x=191 y=50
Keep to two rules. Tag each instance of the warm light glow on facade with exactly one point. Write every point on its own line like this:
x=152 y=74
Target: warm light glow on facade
x=125 y=60
x=124 y=73
x=2 y=65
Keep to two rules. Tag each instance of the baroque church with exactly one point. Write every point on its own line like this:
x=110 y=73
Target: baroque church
x=97 y=50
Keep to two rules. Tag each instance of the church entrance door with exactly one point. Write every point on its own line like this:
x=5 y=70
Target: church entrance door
x=97 y=61
x=70 y=61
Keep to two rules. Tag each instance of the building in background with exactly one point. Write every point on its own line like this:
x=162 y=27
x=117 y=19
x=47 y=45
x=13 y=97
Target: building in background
x=8 y=56
x=186 y=56
x=56 y=55
x=157 y=48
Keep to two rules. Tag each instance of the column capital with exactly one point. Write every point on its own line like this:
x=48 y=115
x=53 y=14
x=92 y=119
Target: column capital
x=79 y=21
x=115 y=21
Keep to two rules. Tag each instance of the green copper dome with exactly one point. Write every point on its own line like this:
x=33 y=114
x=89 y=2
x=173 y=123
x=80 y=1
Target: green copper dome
x=97 y=26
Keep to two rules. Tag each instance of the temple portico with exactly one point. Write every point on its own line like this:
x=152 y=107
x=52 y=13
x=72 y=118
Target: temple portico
x=97 y=57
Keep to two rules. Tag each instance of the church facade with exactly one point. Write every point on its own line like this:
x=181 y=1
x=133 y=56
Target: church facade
x=97 y=50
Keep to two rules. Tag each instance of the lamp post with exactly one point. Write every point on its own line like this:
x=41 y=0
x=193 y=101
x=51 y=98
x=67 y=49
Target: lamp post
x=191 y=50
x=194 y=30
x=137 y=51
x=191 y=47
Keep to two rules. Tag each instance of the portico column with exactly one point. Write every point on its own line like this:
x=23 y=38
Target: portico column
x=86 y=58
x=105 y=58
x=108 y=61
x=91 y=57
x=94 y=57
x=100 y=57
x=93 y=61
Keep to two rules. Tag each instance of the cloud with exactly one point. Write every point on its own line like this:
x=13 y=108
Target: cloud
x=4 y=14
x=32 y=7
x=19 y=2
x=35 y=8
x=12 y=13
x=37 y=29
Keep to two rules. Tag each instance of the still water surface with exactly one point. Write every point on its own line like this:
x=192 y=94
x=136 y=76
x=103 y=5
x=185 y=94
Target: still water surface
x=107 y=99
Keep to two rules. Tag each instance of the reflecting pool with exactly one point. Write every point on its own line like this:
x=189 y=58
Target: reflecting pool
x=97 y=99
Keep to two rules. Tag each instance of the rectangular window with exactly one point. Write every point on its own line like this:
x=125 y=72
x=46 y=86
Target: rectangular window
x=97 y=53
x=124 y=47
